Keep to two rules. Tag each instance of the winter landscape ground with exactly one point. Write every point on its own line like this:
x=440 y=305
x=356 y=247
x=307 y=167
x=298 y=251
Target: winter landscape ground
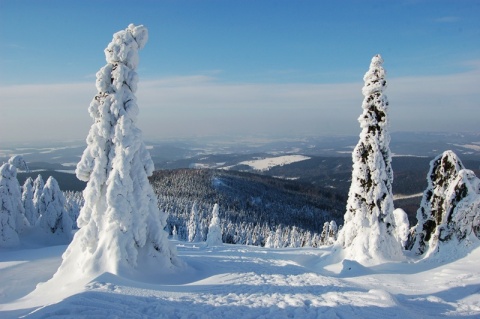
x=238 y=281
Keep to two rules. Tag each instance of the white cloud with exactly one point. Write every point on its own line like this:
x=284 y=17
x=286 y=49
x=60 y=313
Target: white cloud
x=200 y=105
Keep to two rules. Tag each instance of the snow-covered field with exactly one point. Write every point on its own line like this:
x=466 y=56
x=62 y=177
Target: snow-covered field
x=234 y=281
x=265 y=164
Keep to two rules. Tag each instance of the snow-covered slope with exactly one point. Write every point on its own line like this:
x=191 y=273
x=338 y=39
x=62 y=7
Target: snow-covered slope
x=235 y=281
x=265 y=164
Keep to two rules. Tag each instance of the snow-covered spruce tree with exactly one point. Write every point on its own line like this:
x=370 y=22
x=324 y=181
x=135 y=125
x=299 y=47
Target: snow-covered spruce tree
x=121 y=227
x=443 y=171
x=214 y=236
x=19 y=162
x=12 y=218
x=38 y=185
x=403 y=226
x=194 y=233
x=27 y=201
x=460 y=223
x=368 y=234
x=55 y=219
x=332 y=233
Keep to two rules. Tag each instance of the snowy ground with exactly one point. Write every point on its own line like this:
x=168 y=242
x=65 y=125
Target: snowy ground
x=266 y=164
x=234 y=281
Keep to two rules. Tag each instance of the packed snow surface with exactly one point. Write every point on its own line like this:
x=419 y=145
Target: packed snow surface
x=265 y=164
x=235 y=281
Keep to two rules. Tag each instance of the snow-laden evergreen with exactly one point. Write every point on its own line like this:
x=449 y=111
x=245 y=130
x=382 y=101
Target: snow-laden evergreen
x=443 y=171
x=214 y=236
x=193 y=227
x=19 y=162
x=27 y=200
x=121 y=227
x=38 y=185
x=459 y=228
x=55 y=219
x=403 y=226
x=12 y=213
x=9 y=206
x=369 y=233
x=449 y=214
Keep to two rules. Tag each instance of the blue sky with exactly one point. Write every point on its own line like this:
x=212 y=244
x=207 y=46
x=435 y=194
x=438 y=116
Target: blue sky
x=259 y=67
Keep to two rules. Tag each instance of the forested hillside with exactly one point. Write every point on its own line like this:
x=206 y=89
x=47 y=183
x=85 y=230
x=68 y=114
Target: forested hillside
x=251 y=206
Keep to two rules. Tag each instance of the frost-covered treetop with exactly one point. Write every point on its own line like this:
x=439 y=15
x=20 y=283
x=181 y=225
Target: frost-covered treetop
x=125 y=45
x=19 y=162
x=375 y=77
x=8 y=171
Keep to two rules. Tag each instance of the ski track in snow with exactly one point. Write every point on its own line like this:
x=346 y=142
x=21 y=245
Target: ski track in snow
x=234 y=281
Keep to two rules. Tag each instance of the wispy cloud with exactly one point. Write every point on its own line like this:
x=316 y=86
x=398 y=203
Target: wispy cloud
x=186 y=106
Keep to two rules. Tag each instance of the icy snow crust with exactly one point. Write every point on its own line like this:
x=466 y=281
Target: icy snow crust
x=235 y=281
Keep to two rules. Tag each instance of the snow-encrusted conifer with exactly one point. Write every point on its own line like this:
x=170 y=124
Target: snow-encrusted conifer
x=460 y=223
x=27 y=200
x=270 y=242
x=174 y=233
x=55 y=218
x=295 y=240
x=214 y=236
x=194 y=230
x=443 y=171
x=279 y=242
x=19 y=162
x=121 y=226
x=38 y=185
x=332 y=232
x=12 y=219
x=402 y=224
x=369 y=230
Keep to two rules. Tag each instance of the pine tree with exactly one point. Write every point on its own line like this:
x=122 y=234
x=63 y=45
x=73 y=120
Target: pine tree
x=443 y=171
x=27 y=200
x=295 y=238
x=332 y=232
x=461 y=220
x=174 y=233
x=55 y=218
x=214 y=236
x=19 y=162
x=38 y=186
x=193 y=225
x=12 y=219
x=120 y=220
x=369 y=229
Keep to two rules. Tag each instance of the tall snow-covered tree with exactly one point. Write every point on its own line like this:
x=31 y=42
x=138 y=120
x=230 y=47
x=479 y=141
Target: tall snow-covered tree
x=121 y=226
x=55 y=218
x=194 y=233
x=443 y=171
x=369 y=230
x=214 y=236
x=12 y=219
x=27 y=200
x=38 y=185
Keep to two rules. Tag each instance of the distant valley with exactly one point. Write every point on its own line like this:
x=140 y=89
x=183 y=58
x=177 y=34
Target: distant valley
x=322 y=162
